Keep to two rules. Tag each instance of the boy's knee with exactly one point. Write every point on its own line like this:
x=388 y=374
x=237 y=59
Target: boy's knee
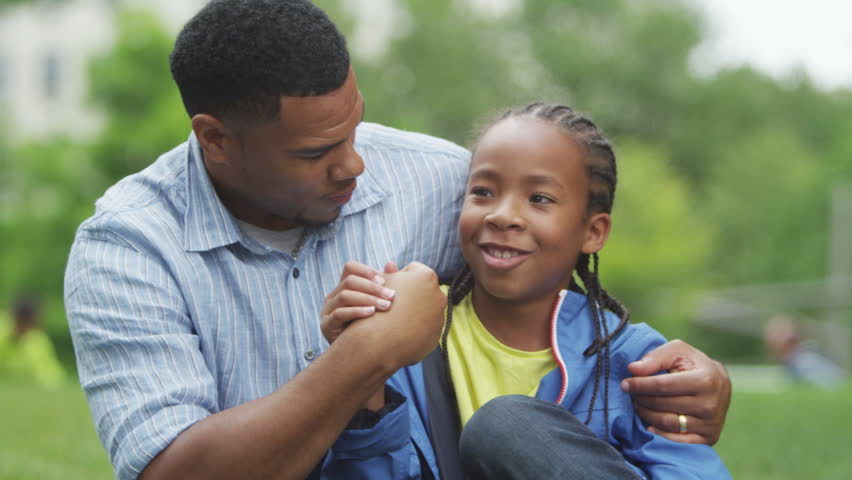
x=493 y=429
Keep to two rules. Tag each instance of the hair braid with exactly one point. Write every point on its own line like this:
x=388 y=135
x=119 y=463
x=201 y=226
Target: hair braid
x=461 y=285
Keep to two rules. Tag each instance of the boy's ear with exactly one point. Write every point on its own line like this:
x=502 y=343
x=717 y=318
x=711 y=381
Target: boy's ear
x=597 y=232
x=212 y=138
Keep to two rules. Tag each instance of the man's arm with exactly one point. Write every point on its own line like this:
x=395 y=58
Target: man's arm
x=283 y=435
x=695 y=386
x=152 y=395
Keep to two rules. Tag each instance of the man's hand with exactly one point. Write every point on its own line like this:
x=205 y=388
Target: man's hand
x=410 y=329
x=362 y=292
x=696 y=386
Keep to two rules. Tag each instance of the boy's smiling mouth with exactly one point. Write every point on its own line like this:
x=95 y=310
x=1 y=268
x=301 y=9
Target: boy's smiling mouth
x=502 y=256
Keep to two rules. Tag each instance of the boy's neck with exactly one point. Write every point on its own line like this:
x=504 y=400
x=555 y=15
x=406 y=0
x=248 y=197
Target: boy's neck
x=517 y=324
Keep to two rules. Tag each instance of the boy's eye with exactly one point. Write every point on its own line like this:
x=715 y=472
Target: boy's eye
x=480 y=192
x=539 y=198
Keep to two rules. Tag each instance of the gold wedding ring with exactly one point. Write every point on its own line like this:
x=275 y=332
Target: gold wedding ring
x=681 y=421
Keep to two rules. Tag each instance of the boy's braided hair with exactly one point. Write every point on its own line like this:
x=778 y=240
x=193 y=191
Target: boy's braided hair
x=601 y=168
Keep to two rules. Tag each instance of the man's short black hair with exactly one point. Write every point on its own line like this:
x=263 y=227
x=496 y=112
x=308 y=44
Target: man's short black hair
x=237 y=58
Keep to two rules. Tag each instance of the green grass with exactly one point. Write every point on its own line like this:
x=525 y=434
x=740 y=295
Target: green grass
x=48 y=434
x=792 y=434
x=795 y=433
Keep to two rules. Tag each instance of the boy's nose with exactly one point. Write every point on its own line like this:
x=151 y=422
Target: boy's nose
x=505 y=217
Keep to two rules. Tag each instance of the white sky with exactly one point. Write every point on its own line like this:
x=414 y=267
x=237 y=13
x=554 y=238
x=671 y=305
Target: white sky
x=774 y=36
x=778 y=36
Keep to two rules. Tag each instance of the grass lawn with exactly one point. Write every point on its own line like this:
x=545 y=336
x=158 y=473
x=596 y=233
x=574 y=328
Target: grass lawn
x=793 y=434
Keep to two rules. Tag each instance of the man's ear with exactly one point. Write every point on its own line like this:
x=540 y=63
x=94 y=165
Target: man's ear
x=597 y=232
x=212 y=137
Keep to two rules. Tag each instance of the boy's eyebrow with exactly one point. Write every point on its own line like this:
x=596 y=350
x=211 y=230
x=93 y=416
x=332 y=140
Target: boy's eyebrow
x=542 y=180
x=316 y=151
x=484 y=174
x=532 y=179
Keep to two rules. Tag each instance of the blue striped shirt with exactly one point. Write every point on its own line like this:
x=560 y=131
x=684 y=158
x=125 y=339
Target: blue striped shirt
x=176 y=314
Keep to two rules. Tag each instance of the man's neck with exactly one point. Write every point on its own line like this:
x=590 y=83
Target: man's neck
x=523 y=325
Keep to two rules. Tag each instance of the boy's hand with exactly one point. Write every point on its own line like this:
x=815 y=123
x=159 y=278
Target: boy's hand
x=696 y=386
x=359 y=294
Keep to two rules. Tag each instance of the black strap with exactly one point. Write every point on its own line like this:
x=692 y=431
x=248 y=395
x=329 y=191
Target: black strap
x=443 y=417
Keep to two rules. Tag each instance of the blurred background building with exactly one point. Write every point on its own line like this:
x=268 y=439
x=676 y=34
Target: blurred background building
x=45 y=48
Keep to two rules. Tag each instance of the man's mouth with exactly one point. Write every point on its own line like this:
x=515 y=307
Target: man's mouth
x=343 y=196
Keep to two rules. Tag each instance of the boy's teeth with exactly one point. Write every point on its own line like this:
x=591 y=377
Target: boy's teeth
x=502 y=253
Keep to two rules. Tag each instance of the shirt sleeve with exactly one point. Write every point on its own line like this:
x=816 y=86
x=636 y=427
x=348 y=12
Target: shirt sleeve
x=138 y=357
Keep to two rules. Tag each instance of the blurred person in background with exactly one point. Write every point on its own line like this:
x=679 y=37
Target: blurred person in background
x=26 y=352
x=801 y=357
x=194 y=292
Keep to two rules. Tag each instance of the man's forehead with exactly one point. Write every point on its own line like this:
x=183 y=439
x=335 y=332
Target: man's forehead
x=328 y=110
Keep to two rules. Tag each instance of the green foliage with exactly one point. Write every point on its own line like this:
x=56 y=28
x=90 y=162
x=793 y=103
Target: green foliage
x=657 y=243
x=133 y=85
x=725 y=180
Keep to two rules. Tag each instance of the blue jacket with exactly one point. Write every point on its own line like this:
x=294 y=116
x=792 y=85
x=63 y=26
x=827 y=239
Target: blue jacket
x=389 y=449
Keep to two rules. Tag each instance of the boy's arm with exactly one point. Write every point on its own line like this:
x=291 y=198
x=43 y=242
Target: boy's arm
x=658 y=457
x=695 y=385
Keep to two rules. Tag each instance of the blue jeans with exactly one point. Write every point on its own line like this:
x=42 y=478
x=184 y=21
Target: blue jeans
x=518 y=437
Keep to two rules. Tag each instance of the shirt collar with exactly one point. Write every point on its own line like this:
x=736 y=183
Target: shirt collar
x=210 y=225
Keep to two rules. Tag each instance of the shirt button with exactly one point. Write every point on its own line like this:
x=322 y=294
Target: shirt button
x=310 y=355
x=295 y=273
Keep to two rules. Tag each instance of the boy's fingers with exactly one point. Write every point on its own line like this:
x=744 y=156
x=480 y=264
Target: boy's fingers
x=391 y=267
x=361 y=284
x=361 y=270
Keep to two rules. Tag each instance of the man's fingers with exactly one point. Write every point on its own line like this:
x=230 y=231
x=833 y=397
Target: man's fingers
x=679 y=437
x=672 y=356
x=672 y=384
x=685 y=404
x=664 y=422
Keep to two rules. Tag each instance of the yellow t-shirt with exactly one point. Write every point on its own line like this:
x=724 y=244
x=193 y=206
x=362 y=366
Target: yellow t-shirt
x=482 y=368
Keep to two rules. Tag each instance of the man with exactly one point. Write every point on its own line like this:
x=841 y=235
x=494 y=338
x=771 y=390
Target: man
x=194 y=292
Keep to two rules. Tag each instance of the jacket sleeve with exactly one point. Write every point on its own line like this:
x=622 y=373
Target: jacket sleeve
x=383 y=450
x=657 y=457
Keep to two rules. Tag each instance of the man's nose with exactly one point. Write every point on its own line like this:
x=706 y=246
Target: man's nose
x=350 y=165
